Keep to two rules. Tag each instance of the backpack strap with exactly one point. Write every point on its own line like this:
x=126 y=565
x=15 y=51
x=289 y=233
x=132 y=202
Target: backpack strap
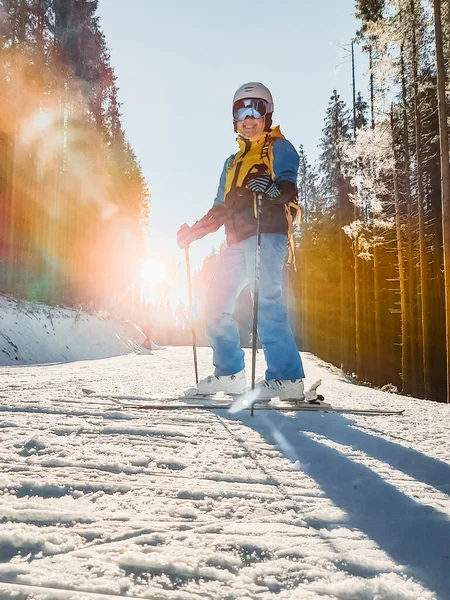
x=292 y=208
x=265 y=153
x=289 y=208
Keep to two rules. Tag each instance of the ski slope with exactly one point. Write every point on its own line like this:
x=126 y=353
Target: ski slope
x=101 y=502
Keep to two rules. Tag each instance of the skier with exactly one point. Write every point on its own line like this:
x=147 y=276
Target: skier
x=264 y=168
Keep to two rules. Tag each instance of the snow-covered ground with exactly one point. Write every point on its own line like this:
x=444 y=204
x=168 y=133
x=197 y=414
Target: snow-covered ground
x=98 y=501
x=36 y=333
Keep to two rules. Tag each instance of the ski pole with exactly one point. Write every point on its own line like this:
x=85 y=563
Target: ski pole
x=256 y=291
x=170 y=283
x=191 y=309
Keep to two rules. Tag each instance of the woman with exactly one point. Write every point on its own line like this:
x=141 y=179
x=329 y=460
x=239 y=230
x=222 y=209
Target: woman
x=266 y=165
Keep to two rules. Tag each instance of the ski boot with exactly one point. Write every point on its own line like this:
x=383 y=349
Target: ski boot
x=287 y=389
x=226 y=384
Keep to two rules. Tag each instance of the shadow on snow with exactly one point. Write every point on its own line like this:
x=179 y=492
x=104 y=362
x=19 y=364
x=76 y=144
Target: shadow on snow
x=413 y=534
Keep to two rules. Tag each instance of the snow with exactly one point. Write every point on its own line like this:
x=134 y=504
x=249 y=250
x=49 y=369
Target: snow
x=99 y=501
x=36 y=333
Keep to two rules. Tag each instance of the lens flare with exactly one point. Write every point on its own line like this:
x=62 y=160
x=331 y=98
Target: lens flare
x=153 y=271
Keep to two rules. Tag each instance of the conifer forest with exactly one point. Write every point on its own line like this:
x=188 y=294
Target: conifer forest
x=73 y=201
x=371 y=293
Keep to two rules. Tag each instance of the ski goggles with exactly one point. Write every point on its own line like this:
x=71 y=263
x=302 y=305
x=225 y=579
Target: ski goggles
x=250 y=107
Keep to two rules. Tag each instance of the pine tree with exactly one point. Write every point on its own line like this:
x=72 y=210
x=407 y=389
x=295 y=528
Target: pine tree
x=308 y=189
x=334 y=134
x=75 y=199
x=361 y=108
x=336 y=208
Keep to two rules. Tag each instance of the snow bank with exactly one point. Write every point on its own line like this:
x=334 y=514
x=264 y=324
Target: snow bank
x=36 y=333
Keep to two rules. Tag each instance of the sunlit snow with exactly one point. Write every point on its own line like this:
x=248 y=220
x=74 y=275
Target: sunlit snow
x=100 y=501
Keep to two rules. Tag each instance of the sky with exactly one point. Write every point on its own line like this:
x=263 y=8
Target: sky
x=178 y=64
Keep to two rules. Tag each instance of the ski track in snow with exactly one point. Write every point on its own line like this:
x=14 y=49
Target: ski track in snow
x=101 y=502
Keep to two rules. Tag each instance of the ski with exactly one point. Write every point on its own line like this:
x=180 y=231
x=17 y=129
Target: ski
x=256 y=407
x=175 y=403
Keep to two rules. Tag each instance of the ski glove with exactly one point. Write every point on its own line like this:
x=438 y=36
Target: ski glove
x=185 y=236
x=210 y=223
x=274 y=192
x=264 y=185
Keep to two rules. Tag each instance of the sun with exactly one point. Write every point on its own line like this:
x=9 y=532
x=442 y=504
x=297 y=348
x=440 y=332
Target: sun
x=153 y=271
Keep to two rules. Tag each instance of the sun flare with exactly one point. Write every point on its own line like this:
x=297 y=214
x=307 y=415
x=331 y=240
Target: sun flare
x=153 y=271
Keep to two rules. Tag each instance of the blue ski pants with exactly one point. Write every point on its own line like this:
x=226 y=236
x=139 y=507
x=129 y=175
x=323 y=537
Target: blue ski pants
x=236 y=269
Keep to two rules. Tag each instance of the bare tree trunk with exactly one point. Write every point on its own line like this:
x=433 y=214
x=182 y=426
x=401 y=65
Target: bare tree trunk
x=11 y=192
x=401 y=268
x=377 y=305
x=358 y=311
x=374 y=326
x=353 y=90
x=366 y=325
x=411 y=376
x=372 y=91
x=420 y=205
x=445 y=177
x=342 y=290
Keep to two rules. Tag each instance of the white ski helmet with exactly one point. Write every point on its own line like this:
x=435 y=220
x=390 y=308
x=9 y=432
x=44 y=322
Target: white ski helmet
x=257 y=91
x=254 y=89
